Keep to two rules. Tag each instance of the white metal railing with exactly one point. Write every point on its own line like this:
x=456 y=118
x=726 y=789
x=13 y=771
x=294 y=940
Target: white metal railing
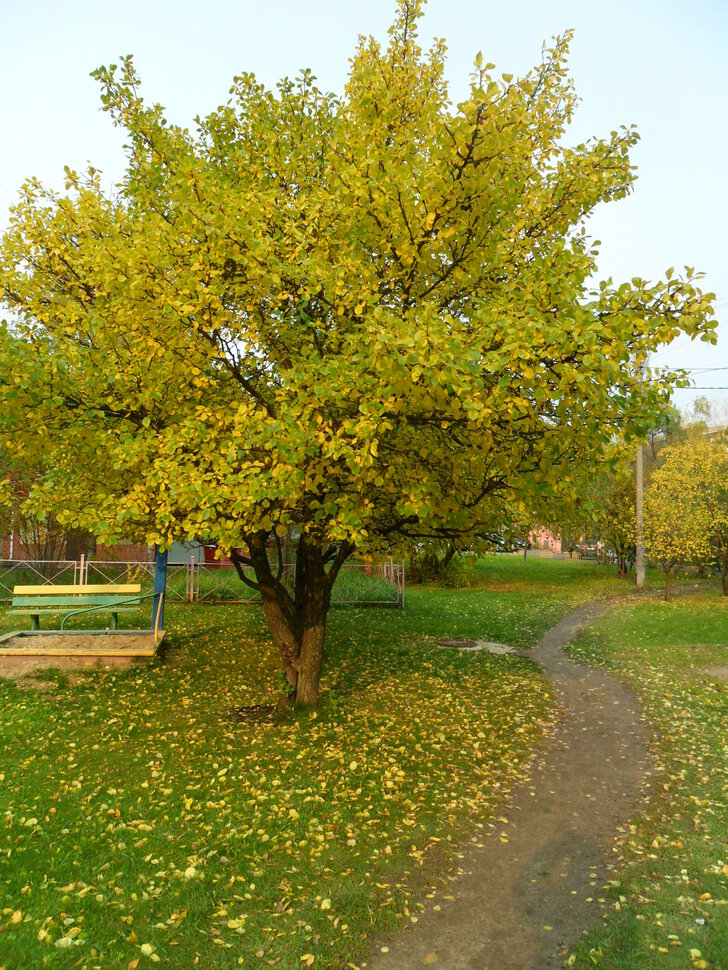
x=37 y=572
x=195 y=582
x=380 y=584
x=112 y=573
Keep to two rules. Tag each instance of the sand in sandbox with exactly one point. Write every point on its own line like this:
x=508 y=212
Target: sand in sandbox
x=80 y=645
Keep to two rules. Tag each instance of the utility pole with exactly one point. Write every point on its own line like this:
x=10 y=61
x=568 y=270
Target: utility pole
x=639 y=566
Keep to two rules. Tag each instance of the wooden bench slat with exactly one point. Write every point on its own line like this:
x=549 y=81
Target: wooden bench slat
x=38 y=611
x=70 y=601
x=37 y=601
x=127 y=589
x=76 y=652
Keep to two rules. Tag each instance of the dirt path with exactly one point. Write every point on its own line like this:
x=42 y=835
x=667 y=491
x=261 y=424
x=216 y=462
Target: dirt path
x=520 y=904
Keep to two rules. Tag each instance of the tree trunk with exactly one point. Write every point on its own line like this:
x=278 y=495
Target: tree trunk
x=310 y=661
x=668 y=581
x=429 y=564
x=724 y=572
x=79 y=542
x=297 y=622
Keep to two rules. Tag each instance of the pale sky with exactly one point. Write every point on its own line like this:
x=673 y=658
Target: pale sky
x=661 y=64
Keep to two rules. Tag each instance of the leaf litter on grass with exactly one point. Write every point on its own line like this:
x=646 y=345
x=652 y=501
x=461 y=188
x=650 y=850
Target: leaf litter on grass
x=669 y=904
x=140 y=822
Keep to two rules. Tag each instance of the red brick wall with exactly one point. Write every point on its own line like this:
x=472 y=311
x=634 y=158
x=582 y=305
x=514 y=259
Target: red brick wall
x=122 y=552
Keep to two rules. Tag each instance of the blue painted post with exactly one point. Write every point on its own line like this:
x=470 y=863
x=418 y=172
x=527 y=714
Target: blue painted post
x=160 y=583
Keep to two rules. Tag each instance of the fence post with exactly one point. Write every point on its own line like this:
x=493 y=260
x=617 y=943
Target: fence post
x=191 y=579
x=160 y=582
x=81 y=572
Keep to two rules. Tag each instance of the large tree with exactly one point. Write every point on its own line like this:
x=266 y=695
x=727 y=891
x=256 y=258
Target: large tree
x=352 y=319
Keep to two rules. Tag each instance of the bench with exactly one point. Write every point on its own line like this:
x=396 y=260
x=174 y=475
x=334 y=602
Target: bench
x=37 y=601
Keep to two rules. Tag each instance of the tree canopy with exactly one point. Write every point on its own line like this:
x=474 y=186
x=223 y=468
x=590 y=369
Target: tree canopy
x=686 y=508
x=357 y=319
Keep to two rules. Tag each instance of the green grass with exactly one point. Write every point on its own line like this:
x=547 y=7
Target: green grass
x=355 y=585
x=140 y=822
x=136 y=813
x=668 y=907
x=222 y=584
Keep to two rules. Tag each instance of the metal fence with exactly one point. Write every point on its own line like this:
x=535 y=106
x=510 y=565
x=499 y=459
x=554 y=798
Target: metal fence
x=120 y=573
x=379 y=584
x=40 y=572
x=375 y=584
x=218 y=582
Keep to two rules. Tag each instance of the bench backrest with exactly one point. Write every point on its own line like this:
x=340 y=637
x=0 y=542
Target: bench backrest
x=51 y=596
x=129 y=589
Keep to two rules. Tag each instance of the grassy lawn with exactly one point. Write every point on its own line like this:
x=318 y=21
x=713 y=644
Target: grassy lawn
x=140 y=822
x=669 y=906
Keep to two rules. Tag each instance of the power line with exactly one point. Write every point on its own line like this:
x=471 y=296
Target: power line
x=688 y=370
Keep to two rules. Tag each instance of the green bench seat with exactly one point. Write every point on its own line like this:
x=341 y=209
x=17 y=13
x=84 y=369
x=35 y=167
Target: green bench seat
x=38 y=601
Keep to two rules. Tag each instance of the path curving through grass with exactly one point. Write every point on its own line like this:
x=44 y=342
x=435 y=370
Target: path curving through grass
x=529 y=890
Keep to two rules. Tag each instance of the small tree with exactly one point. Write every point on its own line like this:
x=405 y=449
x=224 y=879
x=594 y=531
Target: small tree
x=40 y=534
x=614 y=515
x=363 y=320
x=429 y=559
x=604 y=511
x=686 y=508
x=6 y=502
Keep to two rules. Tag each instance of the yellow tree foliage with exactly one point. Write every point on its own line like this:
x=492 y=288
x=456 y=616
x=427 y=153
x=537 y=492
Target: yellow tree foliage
x=358 y=320
x=686 y=508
